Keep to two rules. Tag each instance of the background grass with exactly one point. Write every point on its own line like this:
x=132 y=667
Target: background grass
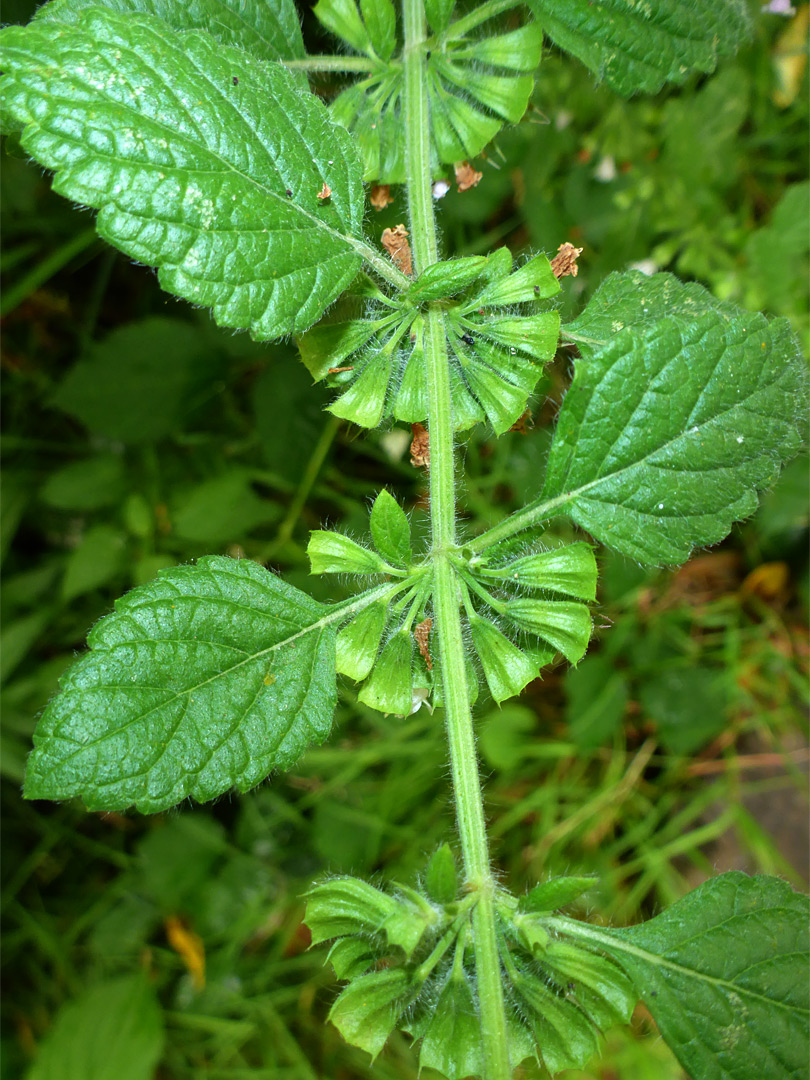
x=138 y=435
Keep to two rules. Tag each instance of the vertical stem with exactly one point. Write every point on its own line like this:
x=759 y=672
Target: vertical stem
x=461 y=739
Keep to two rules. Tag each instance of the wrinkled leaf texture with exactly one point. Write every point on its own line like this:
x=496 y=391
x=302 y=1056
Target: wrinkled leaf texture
x=681 y=408
x=641 y=45
x=205 y=679
x=201 y=160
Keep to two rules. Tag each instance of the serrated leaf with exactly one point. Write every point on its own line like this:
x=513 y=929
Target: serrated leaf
x=391 y=530
x=188 y=148
x=642 y=46
x=206 y=679
x=690 y=409
x=724 y=974
x=269 y=31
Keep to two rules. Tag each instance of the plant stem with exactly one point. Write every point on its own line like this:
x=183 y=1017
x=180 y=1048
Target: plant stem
x=452 y=660
x=331 y=63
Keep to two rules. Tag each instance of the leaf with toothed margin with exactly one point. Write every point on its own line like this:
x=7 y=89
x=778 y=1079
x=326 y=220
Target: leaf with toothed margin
x=201 y=160
x=724 y=974
x=640 y=46
x=681 y=407
x=208 y=678
x=269 y=31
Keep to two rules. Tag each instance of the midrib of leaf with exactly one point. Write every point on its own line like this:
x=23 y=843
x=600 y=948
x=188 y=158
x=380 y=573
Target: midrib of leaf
x=535 y=512
x=335 y=614
x=610 y=943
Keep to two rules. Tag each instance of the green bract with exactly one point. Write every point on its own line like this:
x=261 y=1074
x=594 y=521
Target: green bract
x=459 y=69
x=497 y=360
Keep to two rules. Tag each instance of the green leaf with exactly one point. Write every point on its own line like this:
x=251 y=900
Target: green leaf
x=451 y=1031
x=518 y=50
x=724 y=974
x=85 y=485
x=680 y=408
x=389 y=688
x=269 y=31
x=563 y=624
x=139 y=383
x=111 y=1031
x=97 y=559
x=343 y=19
x=381 y=24
x=441 y=876
x=391 y=530
x=333 y=553
x=687 y=704
x=208 y=678
x=346 y=905
x=596 y=983
x=358 y=643
x=367 y=1011
x=556 y=893
x=642 y=46
x=506 y=668
x=188 y=148
x=445 y=279
x=438 y=14
x=569 y=570
x=222 y=509
x=534 y=280
x=596 y=697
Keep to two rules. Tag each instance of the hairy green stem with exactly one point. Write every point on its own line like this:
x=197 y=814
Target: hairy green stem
x=332 y=63
x=461 y=739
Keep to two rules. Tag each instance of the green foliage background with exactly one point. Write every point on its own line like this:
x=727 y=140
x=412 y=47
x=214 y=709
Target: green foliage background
x=138 y=435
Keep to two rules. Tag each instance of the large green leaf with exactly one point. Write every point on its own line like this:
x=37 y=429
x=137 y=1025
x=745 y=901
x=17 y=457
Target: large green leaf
x=640 y=46
x=724 y=973
x=205 y=679
x=112 y=1031
x=680 y=409
x=202 y=161
x=269 y=29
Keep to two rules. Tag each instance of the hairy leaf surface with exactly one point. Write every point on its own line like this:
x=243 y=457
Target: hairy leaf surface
x=640 y=46
x=207 y=678
x=724 y=973
x=680 y=409
x=269 y=31
x=201 y=161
